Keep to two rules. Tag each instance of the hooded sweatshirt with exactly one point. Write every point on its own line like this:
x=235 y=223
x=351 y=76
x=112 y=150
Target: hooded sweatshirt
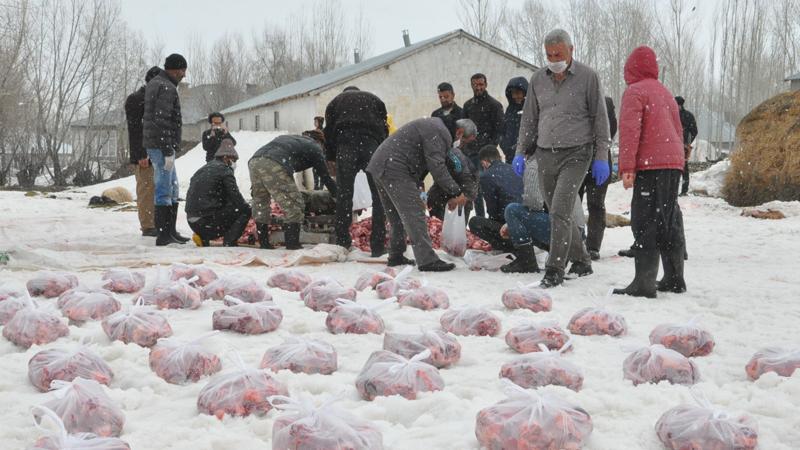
x=512 y=117
x=650 y=132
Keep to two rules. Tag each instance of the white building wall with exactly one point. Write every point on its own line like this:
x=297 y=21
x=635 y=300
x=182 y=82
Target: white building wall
x=295 y=115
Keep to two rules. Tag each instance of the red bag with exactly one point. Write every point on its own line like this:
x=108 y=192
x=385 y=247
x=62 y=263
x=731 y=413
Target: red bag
x=51 y=284
x=657 y=363
x=247 y=318
x=141 y=325
x=544 y=368
x=59 y=364
x=84 y=407
x=123 y=281
x=688 y=339
x=350 y=317
x=301 y=355
x=82 y=304
x=180 y=362
x=528 y=297
x=204 y=274
x=292 y=280
x=241 y=287
x=470 y=321
x=445 y=348
x=527 y=338
x=386 y=373
x=60 y=439
x=591 y=321
x=687 y=427
x=773 y=359
x=424 y=298
x=34 y=325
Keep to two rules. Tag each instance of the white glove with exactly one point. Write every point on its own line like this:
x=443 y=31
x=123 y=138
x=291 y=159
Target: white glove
x=169 y=163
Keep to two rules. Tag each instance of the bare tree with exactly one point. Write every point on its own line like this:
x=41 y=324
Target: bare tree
x=486 y=20
x=526 y=30
x=585 y=22
x=626 y=25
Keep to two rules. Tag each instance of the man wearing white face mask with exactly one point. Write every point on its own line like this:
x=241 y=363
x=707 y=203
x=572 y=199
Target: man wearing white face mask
x=564 y=123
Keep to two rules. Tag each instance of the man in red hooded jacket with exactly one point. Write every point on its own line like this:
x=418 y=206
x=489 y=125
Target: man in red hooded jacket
x=651 y=160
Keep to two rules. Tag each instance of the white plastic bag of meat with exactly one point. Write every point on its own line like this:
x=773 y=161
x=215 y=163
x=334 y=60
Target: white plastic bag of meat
x=688 y=339
x=51 y=284
x=386 y=373
x=322 y=297
x=596 y=320
x=10 y=306
x=528 y=297
x=528 y=420
x=66 y=365
x=11 y=290
x=773 y=359
x=704 y=427
x=454 y=232
x=424 y=298
x=658 y=363
x=247 y=318
x=34 y=325
x=470 y=321
x=179 y=294
x=60 y=439
x=123 y=281
x=371 y=278
x=292 y=280
x=239 y=393
x=301 y=355
x=480 y=260
x=306 y=426
x=544 y=368
x=84 y=407
x=527 y=338
x=242 y=287
x=204 y=274
x=350 y=317
x=444 y=347
x=390 y=288
x=181 y=362
x=82 y=304
x=140 y=324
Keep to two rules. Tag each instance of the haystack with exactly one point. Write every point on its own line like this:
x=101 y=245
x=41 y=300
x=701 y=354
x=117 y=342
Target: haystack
x=766 y=166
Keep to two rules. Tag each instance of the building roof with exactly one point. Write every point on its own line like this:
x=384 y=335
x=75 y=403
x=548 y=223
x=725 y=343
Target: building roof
x=348 y=72
x=793 y=77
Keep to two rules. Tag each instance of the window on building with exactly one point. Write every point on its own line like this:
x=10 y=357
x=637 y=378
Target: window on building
x=241 y=124
x=258 y=123
x=277 y=116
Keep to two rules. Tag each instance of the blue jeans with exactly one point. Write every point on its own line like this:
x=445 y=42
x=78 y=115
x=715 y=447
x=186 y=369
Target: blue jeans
x=166 y=182
x=526 y=226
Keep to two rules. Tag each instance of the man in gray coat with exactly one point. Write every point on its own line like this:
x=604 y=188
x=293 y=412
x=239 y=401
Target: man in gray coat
x=161 y=126
x=399 y=167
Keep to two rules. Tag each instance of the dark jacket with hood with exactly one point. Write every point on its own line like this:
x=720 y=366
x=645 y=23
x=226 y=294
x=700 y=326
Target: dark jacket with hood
x=500 y=186
x=212 y=139
x=296 y=154
x=487 y=113
x=450 y=118
x=689 y=126
x=212 y=188
x=354 y=116
x=162 y=114
x=134 y=113
x=512 y=117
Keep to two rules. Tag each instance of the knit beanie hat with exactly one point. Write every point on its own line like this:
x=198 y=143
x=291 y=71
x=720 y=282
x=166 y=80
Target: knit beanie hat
x=175 y=61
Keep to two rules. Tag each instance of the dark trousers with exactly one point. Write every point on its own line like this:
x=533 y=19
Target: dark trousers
x=489 y=231
x=353 y=155
x=596 y=202
x=685 y=185
x=480 y=211
x=526 y=226
x=656 y=218
x=228 y=222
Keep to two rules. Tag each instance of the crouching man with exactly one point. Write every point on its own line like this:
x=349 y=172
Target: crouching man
x=271 y=173
x=460 y=168
x=214 y=205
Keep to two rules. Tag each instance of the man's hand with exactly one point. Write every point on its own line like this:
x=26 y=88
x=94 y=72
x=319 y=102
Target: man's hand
x=169 y=163
x=504 y=231
x=687 y=150
x=455 y=202
x=144 y=163
x=331 y=168
x=627 y=179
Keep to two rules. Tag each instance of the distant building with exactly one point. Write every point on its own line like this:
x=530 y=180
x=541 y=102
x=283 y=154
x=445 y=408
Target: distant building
x=794 y=82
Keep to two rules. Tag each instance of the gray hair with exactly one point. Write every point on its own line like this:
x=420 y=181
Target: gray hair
x=469 y=127
x=557 y=36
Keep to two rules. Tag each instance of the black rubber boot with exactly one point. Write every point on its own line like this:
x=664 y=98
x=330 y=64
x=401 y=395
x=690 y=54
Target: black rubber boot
x=291 y=236
x=263 y=236
x=552 y=278
x=377 y=251
x=672 y=262
x=644 y=282
x=580 y=269
x=627 y=253
x=163 y=222
x=173 y=221
x=437 y=266
x=400 y=261
x=525 y=261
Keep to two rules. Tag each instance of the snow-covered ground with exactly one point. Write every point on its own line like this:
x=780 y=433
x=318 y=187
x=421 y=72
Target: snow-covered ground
x=743 y=283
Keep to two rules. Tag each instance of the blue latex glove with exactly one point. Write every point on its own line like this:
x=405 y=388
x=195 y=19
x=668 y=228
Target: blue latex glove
x=519 y=165
x=600 y=171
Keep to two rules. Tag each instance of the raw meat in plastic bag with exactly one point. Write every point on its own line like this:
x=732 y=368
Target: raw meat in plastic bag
x=470 y=321
x=51 y=284
x=390 y=288
x=689 y=427
x=371 y=278
x=84 y=407
x=424 y=298
x=528 y=420
x=180 y=362
x=444 y=347
x=65 y=365
x=247 y=318
x=244 y=288
x=241 y=392
x=82 y=304
x=773 y=359
x=123 y=281
x=60 y=439
x=386 y=373
x=526 y=338
x=454 y=232
x=479 y=260
x=178 y=295
x=141 y=325
x=591 y=321
x=544 y=368
x=9 y=291
x=687 y=339
x=307 y=427
x=350 y=317
x=323 y=297
x=528 y=297
x=10 y=306
x=301 y=355
x=658 y=363
x=204 y=274
x=291 y=280
x=34 y=325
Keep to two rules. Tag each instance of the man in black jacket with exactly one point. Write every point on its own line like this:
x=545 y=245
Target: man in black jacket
x=214 y=135
x=487 y=113
x=271 y=171
x=355 y=124
x=689 y=134
x=142 y=169
x=214 y=205
x=501 y=187
x=450 y=112
x=162 y=138
x=516 y=90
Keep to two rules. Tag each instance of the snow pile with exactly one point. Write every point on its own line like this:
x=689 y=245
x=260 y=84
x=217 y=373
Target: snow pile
x=710 y=181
